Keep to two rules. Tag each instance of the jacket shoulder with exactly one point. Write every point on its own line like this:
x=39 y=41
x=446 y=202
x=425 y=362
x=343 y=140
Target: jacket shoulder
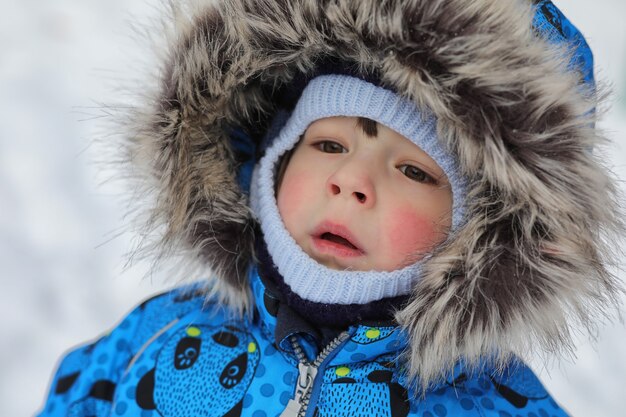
x=87 y=375
x=513 y=390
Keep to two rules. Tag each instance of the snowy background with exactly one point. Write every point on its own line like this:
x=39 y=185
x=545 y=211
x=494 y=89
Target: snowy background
x=62 y=267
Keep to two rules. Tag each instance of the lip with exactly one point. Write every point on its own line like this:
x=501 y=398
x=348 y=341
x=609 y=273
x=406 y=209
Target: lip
x=334 y=248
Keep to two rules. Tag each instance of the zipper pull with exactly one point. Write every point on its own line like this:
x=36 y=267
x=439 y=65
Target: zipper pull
x=306 y=376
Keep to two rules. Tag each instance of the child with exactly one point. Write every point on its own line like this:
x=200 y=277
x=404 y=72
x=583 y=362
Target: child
x=425 y=208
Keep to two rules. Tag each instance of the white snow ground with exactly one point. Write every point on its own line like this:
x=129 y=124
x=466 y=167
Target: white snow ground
x=61 y=243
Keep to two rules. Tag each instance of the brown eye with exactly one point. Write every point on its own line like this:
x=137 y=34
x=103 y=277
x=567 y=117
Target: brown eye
x=416 y=174
x=329 y=146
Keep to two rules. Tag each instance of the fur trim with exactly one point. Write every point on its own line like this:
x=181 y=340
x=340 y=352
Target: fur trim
x=531 y=259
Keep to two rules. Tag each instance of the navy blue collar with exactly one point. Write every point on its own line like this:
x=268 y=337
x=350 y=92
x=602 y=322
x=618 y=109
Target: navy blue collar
x=278 y=322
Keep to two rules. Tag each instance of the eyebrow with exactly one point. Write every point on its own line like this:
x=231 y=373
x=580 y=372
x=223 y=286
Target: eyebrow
x=369 y=126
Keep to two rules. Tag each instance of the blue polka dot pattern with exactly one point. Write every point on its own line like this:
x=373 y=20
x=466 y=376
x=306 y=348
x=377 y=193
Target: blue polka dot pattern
x=393 y=345
x=467 y=404
x=288 y=378
x=363 y=379
x=484 y=383
x=120 y=408
x=487 y=403
x=121 y=345
x=141 y=370
x=356 y=357
x=350 y=347
x=267 y=390
x=440 y=410
x=440 y=392
x=284 y=398
x=247 y=401
x=270 y=350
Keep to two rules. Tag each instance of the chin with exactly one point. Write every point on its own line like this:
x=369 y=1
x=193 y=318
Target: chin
x=341 y=265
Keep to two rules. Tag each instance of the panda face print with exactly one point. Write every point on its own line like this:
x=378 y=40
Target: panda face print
x=201 y=370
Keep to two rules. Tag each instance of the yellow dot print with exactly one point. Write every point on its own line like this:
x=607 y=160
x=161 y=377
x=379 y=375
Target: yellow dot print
x=372 y=333
x=342 y=371
x=251 y=347
x=193 y=332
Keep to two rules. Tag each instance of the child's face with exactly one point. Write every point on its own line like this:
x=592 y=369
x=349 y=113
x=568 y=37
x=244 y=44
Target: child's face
x=363 y=203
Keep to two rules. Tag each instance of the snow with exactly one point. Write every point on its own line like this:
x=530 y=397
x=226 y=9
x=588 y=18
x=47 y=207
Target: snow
x=62 y=239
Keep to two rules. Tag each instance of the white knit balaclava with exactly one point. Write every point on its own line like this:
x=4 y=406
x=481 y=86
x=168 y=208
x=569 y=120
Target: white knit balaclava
x=341 y=95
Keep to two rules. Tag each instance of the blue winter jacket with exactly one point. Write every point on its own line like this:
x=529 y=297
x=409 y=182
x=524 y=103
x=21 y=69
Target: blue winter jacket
x=177 y=355
x=511 y=85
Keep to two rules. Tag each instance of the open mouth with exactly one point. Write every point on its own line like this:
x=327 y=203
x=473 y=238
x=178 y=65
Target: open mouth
x=338 y=239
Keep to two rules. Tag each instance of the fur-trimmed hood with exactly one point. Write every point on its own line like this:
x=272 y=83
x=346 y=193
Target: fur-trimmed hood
x=531 y=259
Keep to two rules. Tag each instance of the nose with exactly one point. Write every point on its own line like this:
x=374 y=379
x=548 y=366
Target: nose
x=353 y=180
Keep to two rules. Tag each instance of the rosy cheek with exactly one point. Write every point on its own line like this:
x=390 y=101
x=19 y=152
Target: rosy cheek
x=412 y=233
x=291 y=194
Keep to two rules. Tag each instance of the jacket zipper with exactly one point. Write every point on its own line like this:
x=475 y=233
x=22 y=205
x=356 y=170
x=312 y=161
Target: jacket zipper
x=307 y=371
